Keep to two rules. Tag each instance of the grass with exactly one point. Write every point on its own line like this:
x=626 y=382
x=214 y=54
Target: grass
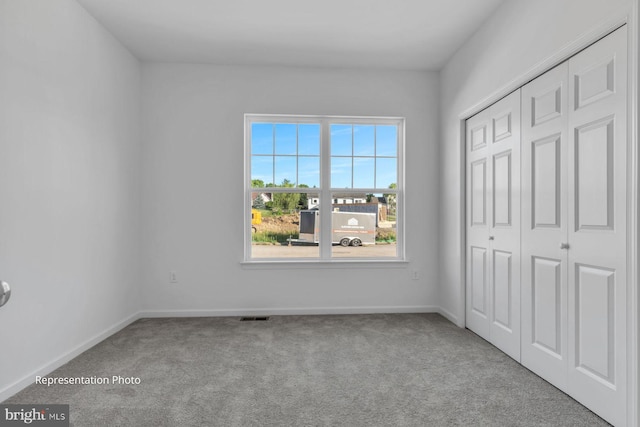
x=386 y=235
x=275 y=212
x=265 y=212
x=385 y=240
x=272 y=237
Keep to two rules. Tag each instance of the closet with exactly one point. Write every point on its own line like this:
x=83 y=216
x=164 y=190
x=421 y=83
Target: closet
x=561 y=266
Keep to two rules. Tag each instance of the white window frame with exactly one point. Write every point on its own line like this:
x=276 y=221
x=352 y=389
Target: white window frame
x=325 y=192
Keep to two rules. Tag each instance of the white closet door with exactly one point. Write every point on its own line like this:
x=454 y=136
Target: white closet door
x=478 y=204
x=597 y=227
x=544 y=225
x=574 y=214
x=493 y=224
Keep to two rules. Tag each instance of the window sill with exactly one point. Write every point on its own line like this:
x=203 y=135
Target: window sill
x=287 y=264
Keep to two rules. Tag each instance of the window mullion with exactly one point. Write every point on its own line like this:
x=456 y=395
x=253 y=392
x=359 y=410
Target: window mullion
x=375 y=156
x=248 y=191
x=273 y=159
x=325 y=192
x=353 y=163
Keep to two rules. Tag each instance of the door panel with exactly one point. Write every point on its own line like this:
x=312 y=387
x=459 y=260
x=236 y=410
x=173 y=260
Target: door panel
x=546 y=106
x=595 y=322
x=546 y=290
x=493 y=224
x=594 y=82
x=593 y=150
x=502 y=189
x=502 y=289
x=502 y=127
x=479 y=278
x=546 y=178
x=479 y=193
x=478 y=137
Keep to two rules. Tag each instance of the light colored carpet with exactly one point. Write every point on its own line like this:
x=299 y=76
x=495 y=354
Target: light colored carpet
x=356 y=370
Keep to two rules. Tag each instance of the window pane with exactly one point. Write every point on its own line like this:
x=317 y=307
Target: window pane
x=262 y=169
x=362 y=230
x=386 y=172
x=261 y=138
x=363 y=140
x=309 y=171
x=363 y=172
x=386 y=140
x=341 y=140
x=282 y=227
x=308 y=139
x=285 y=170
x=286 y=137
x=341 y=172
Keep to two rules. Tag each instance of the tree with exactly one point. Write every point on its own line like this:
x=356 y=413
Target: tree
x=258 y=202
x=286 y=201
x=257 y=183
x=391 y=200
x=303 y=203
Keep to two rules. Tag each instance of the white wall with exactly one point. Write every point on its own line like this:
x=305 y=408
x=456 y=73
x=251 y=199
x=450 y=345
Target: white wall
x=521 y=35
x=193 y=188
x=69 y=211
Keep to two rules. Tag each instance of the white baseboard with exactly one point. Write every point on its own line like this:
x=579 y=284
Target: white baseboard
x=46 y=369
x=288 y=311
x=449 y=315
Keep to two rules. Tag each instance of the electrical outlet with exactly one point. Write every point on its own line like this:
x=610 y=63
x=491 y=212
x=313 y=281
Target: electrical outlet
x=415 y=274
x=173 y=276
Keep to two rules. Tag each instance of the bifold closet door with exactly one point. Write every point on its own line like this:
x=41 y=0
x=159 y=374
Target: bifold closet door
x=493 y=224
x=574 y=237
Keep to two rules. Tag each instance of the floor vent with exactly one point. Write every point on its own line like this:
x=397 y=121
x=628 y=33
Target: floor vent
x=254 y=318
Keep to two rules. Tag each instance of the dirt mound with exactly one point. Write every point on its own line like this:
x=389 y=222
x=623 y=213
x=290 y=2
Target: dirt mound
x=287 y=223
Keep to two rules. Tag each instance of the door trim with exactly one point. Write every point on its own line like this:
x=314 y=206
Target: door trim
x=632 y=21
x=633 y=308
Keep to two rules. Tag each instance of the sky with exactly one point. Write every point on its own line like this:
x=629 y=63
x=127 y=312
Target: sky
x=362 y=156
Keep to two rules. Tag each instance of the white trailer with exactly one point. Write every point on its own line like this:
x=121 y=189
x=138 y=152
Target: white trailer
x=348 y=228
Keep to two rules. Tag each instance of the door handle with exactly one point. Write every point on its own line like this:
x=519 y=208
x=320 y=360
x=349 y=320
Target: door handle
x=564 y=246
x=5 y=293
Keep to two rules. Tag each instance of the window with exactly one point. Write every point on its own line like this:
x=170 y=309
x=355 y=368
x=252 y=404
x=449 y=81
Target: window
x=323 y=188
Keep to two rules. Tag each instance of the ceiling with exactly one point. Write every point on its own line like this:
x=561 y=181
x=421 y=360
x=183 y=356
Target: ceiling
x=387 y=34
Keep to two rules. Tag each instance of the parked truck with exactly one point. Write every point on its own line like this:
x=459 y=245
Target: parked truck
x=348 y=228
